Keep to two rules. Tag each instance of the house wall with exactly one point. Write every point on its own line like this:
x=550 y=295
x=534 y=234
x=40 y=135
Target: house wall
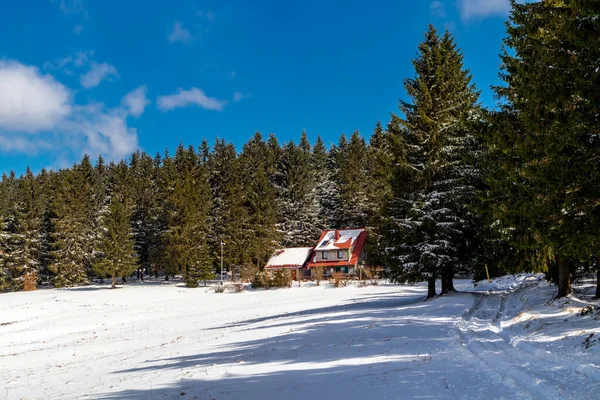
x=333 y=256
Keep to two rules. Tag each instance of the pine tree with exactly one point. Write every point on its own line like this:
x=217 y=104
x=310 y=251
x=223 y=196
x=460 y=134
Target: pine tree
x=433 y=180
x=259 y=200
x=203 y=269
x=353 y=183
x=78 y=204
x=379 y=192
x=229 y=215
x=297 y=196
x=550 y=75
x=116 y=254
x=189 y=203
x=325 y=191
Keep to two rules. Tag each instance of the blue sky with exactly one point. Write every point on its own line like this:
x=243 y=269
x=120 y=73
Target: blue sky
x=109 y=76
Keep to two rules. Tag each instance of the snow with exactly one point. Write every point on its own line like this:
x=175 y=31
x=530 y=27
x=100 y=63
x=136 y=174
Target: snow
x=293 y=257
x=345 y=236
x=155 y=340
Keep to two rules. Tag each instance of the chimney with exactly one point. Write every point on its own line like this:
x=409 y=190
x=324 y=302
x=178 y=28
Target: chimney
x=337 y=234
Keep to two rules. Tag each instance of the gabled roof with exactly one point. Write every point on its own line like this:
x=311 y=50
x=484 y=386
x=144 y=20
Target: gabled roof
x=292 y=258
x=338 y=239
x=347 y=239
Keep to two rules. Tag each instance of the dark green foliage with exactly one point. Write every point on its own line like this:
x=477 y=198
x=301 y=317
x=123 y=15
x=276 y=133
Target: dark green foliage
x=434 y=178
x=550 y=98
x=116 y=255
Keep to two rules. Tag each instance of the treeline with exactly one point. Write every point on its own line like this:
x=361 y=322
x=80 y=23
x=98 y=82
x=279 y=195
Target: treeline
x=446 y=187
x=170 y=214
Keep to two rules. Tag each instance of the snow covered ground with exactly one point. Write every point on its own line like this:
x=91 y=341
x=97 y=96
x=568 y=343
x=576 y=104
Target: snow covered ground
x=506 y=340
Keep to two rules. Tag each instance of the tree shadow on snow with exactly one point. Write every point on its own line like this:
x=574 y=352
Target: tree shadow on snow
x=388 y=341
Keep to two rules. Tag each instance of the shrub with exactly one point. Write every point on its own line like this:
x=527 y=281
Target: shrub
x=219 y=289
x=339 y=279
x=248 y=272
x=262 y=280
x=317 y=274
x=30 y=282
x=282 y=278
x=191 y=283
x=238 y=287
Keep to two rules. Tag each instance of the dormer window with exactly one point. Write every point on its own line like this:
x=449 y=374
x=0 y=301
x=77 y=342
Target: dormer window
x=340 y=254
x=325 y=255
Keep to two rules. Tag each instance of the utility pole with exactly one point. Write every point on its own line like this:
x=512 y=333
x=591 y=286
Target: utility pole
x=222 y=244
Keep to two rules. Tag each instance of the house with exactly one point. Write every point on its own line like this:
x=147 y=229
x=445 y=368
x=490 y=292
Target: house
x=292 y=259
x=340 y=250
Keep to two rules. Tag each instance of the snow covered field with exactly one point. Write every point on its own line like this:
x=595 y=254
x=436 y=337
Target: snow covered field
x=157 y=341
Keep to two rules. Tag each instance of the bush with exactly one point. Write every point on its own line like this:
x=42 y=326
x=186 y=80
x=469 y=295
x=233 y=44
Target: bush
x=191 y=283
x=262 y=280
x=317 y=274
x=30 y=282
x=219 y=289
x=248 y=272
x=282 y=278
x=238 y=287
x=339 y=279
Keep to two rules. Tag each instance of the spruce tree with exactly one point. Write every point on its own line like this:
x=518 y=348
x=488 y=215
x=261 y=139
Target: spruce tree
x=550 y=75
x=116 y=254
x=188 y=203
x=297 y=196
x=259 y=200
x=433 y=180
x=79 y=204
x=229 y=214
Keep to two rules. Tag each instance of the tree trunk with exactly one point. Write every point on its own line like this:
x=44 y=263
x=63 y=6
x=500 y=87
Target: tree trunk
x=597 y=282
x=431 y=287
x=564 y=278
x=166 y=277
x=114 y=283
x=448 y=280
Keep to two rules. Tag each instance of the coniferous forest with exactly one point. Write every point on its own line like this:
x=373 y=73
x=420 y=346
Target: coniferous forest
x=445 y=187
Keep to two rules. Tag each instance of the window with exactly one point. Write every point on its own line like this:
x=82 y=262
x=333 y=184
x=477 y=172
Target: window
x=345 y=270
x=340 y=254
x=325 y=243
x=325 y=255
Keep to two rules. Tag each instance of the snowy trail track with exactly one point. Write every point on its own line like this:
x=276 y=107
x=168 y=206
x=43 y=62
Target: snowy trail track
x=540 y=375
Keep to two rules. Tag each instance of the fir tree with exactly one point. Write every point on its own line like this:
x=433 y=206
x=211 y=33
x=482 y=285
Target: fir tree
x=189 y=203
x=297 y=196
x=116 y=254
x=433 y=178
x=260 y=200
x=549 y=70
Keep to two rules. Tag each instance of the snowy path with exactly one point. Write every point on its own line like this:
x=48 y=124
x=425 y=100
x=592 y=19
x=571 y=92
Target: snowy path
x=541 y=376
x=158 y=341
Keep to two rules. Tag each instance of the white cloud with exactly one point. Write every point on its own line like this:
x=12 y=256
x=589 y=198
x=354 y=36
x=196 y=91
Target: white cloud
x=29 y=100
x=136 y=101
x=209 y=15
x=237 y=96
x=73 y=7
x=37 y=114
x=193 y=96
x=437 y=9
x=180 y=34
x=482 y=8
x=96 y=74
x=83 y=57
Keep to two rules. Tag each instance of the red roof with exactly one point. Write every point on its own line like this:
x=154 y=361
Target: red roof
x=358 y=248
